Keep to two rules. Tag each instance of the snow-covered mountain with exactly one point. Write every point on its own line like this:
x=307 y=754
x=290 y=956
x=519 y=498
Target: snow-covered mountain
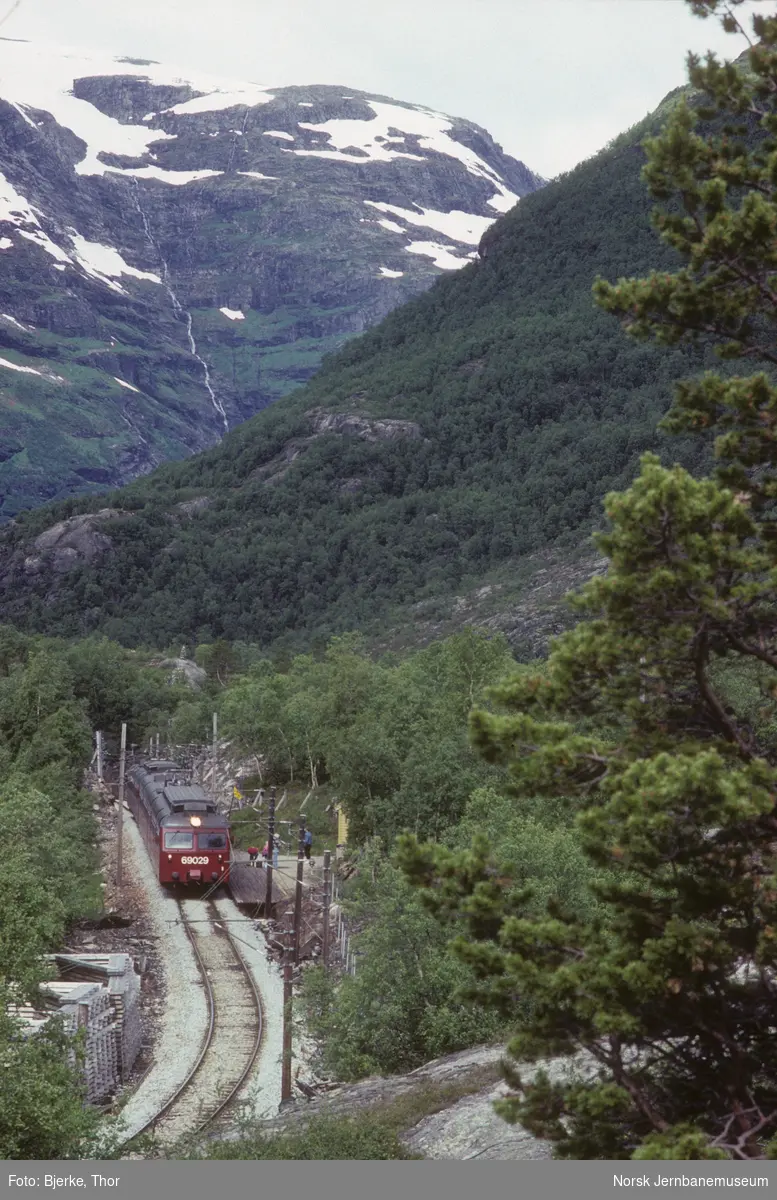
x=178 y=251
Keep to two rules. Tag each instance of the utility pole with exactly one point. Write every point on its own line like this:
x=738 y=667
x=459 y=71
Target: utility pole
x=215 y=750
x=327 y=902
x=120 y=825
x=99 y=755
x=271 y=849
x=157 y=745
x=287 y=1016
x=298 y=897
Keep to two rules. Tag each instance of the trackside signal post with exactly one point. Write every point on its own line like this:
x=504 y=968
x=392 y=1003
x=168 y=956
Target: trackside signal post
x=287 y=1016
x=270 y=855
x=298 y=896
x=327 y=903
x=120 y=821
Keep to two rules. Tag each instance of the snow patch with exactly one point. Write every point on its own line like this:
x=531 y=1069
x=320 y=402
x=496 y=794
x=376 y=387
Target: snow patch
x=389 y=274
x=305 y=104
x=247 y=96
x=177 y=178
x=13 y=321
x=105 y=263
x=16 y=367
x=5 y=243
x=278 y=133
x=257 y=175
x=19 y=212
x=440 y=255
x=391 y=225
x=504 y=200
x=124 y=384
x=41 y=77
x=234 y=314
x=457 y=225
x=431 y=128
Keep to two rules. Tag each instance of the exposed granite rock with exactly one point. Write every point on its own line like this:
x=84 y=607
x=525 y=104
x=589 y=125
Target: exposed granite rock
x=78 y=539
x=529 y=609
x=465 y=1128
x=376 y=430
x=471 y=1129
x=189 y=508
x=185 y=670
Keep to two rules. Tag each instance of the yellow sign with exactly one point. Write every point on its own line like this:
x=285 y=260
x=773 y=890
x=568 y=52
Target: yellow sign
x=236 y=794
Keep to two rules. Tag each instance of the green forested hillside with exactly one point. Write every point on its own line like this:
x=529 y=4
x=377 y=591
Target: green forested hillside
x=487 y=418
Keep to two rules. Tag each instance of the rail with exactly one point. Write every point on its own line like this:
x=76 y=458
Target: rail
x=185 y=1100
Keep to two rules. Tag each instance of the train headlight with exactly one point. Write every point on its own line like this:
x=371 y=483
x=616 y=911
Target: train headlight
x=169 y=858
x=195 y=821
x=221 y=858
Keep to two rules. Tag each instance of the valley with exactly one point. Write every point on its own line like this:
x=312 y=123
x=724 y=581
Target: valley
x=177 y=253
x=431 y=529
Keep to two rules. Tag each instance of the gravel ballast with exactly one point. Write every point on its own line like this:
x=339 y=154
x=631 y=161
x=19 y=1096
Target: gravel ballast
x=184 y=1020
x=261 y=1095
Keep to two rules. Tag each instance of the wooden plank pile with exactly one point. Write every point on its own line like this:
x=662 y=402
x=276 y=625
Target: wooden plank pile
x=87 y=1007
x=116 y=973
x=98 y=994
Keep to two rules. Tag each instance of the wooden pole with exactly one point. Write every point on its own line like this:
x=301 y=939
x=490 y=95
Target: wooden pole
x=298 y=896
x=327 y=902
x=287 y=1018
x=215 y=750
x=100 y=755
x=271 y=849
x=120 y=824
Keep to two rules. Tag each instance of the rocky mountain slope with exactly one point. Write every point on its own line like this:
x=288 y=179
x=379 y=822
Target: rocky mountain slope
x=176 y=252
x=444 y=468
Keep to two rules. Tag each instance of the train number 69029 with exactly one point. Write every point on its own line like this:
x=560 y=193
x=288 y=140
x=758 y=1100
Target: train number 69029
x=188 y=861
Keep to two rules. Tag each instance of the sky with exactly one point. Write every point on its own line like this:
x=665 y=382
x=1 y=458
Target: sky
x=551 y=80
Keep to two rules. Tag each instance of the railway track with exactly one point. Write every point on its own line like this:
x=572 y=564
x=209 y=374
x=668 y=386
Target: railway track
x=233 y=1036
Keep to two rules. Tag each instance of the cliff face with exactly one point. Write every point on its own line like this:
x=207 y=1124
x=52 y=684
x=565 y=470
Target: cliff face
x=176 y=253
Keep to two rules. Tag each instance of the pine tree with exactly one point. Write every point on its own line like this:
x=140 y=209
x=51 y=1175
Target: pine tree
x=657 y=713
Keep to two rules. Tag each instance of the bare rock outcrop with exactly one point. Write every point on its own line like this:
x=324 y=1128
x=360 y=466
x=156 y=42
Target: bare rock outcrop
x=184 y=670
x=471 y=1129
x=371 y=429
x=78 y=539
x=466 y=1127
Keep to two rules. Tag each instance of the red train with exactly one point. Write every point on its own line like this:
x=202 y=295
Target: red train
x=187 y=838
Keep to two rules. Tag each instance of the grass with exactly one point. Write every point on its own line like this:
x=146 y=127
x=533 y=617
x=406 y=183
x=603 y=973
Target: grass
x=372 y=1134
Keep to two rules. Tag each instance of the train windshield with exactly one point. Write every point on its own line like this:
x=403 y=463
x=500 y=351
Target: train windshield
x=211 y=841
x=179 y=839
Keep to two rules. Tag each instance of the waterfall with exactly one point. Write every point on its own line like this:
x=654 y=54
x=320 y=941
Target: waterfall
x=179 y=310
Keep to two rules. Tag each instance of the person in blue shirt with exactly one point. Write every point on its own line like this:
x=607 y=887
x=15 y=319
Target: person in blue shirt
x=308 y=840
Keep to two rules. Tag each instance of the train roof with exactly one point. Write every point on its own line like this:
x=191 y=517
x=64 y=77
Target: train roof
x=189 y=797
x=159 y=764
x=171 y=802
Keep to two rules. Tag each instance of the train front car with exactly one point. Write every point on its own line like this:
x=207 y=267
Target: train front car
x=194 y=842
x=187 y=838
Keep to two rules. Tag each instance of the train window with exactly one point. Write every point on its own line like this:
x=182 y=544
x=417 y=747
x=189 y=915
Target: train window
x=211 y=841
x=178 y=839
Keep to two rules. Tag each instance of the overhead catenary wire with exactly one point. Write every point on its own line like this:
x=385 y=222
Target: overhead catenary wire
x=10 y=12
